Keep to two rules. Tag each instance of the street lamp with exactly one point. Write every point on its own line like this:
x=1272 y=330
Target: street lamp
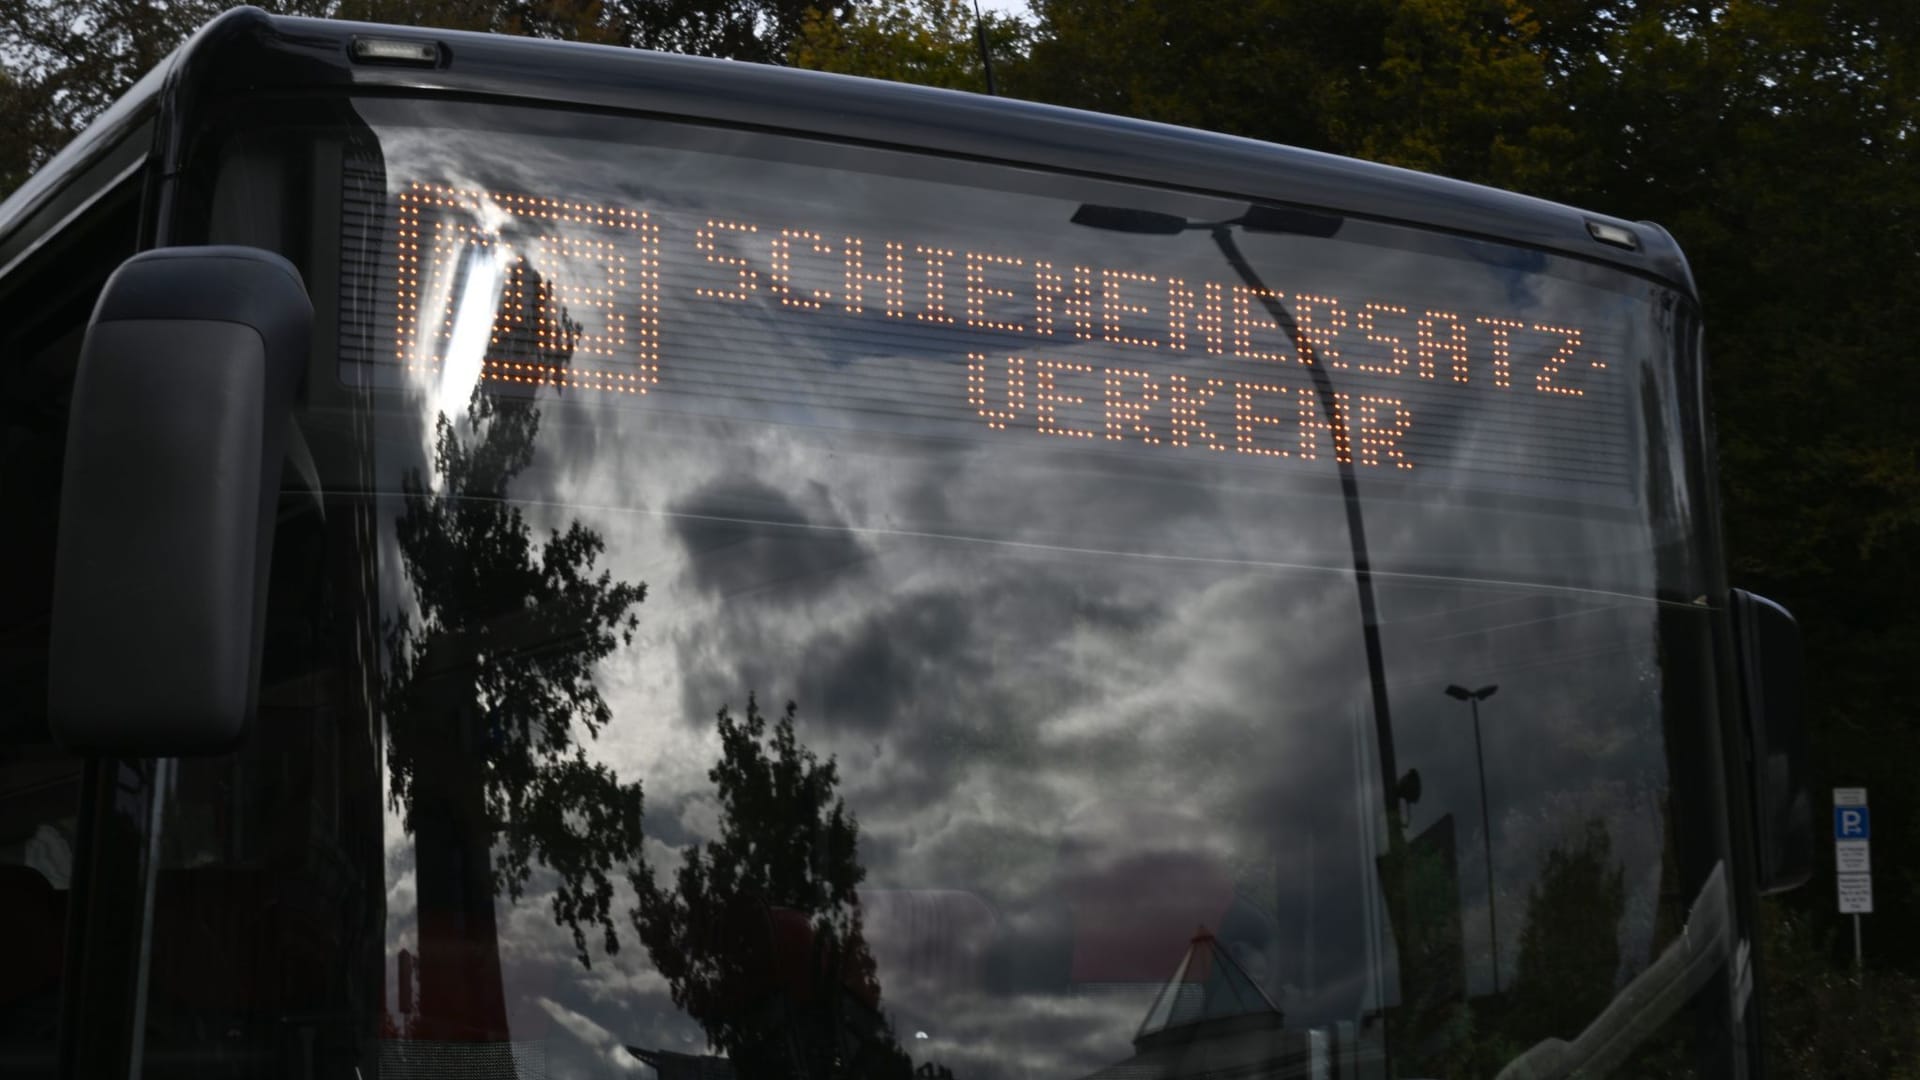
x=1473 y=698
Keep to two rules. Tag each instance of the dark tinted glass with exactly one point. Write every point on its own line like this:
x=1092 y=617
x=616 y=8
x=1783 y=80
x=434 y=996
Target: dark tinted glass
x=44 y=304
x=781 y=609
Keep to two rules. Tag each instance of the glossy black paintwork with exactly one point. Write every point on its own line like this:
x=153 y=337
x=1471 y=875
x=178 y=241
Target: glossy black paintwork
x=246 y=51
x=115 y=145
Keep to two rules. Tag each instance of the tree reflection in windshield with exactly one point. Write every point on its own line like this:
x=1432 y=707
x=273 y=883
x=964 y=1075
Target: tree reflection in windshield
x=760 y=936
x=1570 y=945
x=490 y=698
x=489 y=688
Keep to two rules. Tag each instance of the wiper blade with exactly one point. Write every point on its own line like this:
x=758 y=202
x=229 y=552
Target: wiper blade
x=1653 y=997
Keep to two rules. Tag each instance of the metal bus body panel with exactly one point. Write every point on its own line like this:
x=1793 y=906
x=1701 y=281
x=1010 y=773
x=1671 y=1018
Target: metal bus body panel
x=248 y=51
x=113 y=146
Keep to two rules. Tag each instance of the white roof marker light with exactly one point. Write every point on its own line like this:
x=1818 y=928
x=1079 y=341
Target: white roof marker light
x=396 y=51
x=1614 y=234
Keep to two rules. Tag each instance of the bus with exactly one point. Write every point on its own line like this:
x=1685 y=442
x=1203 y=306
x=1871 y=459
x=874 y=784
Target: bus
x=536 y=560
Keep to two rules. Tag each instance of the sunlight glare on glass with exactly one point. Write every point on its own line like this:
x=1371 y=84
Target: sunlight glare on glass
x=472 y=327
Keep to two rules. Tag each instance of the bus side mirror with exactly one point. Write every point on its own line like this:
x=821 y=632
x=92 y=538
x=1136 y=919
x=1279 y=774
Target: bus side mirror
x=1767 y=644
x=180 y=408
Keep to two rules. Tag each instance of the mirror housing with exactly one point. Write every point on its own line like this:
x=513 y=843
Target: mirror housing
x=1767 y=646
x=180 y=409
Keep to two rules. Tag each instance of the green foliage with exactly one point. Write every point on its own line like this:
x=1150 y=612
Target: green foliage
x=1459 y=87
x=1461 y=90
x=928 y=42
x=1282 y=70
x=1830 y=1023
x=64 y=61
x=1777 y=142
x=500 y=657
x=16 y=153
x=570 y=20
x=786 y=841
x=1564 y=977
x=760 y=937
x=1423 y=884
x=67 y=60
x=1570 y=942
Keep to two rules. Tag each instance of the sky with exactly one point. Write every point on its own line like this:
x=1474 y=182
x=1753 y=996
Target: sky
x=1005 y=7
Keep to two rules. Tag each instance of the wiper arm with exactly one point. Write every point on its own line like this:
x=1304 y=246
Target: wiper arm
x=1653 y=997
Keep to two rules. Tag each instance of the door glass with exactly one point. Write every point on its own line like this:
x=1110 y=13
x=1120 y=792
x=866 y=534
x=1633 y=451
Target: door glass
x=39 y=784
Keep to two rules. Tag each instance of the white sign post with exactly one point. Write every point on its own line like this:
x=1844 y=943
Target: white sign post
x=1853 y=863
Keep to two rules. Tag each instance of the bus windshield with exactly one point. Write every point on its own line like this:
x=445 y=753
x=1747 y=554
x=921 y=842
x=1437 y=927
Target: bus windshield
x=827 y=610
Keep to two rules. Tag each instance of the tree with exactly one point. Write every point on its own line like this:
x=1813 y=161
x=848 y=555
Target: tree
x=489 y=689
x=16 y=153
x=1834 y=1024
x=65 y=61
x=760 y=937
x=1458 y=87
x=1462 y=91
x=756 y=30
x=1570 y=943
x=1281 y=70
x=928 y=42
x=1777 y=142
x=1432 y=1024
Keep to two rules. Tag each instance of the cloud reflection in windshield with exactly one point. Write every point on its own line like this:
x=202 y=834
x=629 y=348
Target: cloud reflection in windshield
x=1066 y=761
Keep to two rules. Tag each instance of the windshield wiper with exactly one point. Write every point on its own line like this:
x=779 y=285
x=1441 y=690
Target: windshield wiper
x=1653 y=997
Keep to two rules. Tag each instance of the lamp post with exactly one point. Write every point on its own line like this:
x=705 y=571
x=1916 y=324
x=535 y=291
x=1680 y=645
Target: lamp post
x=1473 y=698
x=1396 y=787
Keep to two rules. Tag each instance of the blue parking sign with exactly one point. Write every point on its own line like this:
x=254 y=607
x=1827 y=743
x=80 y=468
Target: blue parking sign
x=1851 y=823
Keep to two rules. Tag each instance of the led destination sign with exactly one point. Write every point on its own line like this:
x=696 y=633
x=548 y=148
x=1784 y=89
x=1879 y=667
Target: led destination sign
x=1001 y=336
